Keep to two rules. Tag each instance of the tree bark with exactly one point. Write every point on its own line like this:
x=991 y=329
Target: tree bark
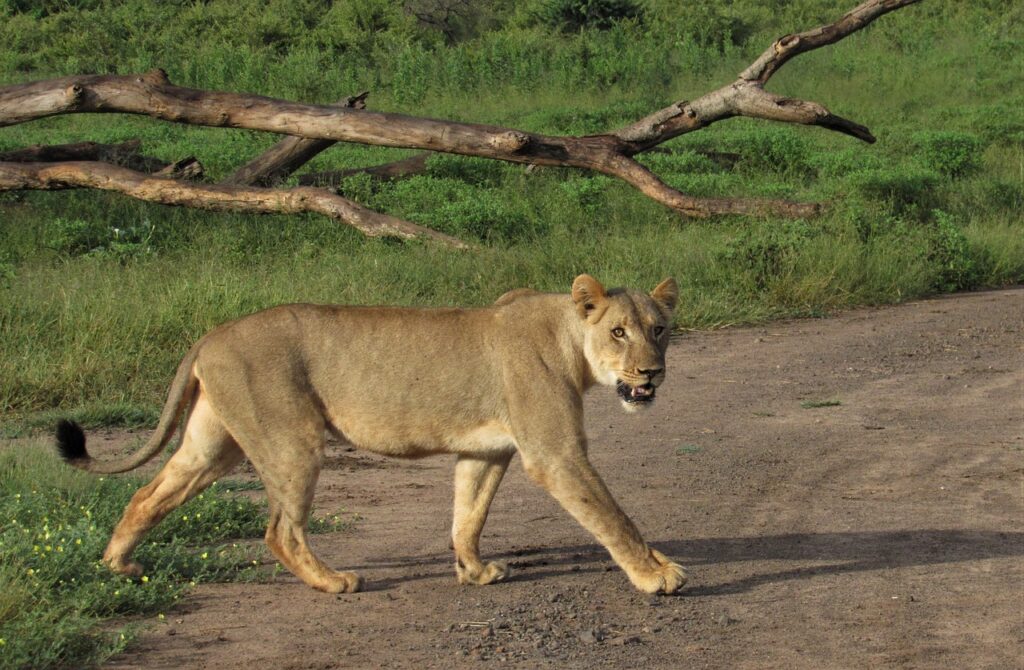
x=388 y=171
x=85 y=174
x=279 y=161
x=125 y=154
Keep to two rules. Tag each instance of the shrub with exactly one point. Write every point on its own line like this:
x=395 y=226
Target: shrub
x=571 y=16
x=587 y=193
x=764 y=249
x=903 y=188
x=950 y=153
x=75 y=237
x=950 y=254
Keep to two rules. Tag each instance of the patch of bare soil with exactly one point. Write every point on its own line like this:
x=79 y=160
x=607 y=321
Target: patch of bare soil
x=885 y=531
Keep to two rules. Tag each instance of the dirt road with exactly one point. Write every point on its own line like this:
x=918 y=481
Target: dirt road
x=886 y=531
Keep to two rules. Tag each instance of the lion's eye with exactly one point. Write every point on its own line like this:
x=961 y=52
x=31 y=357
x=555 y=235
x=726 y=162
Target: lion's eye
x=658 y=330
x=618 y=332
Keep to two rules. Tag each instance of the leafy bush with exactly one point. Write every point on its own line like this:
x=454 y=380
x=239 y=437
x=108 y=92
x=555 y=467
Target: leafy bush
x=485 y=218
x=764 y=249
x=902 y=188
x=950 y=153
x=777 y=148
x=950 y=254
x=574 y=15
x=76 y=237
x=685 y=161
x=587 y=193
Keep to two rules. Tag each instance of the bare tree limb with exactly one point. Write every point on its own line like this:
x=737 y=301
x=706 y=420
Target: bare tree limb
x=275 y=164
x=123 y=153
x=388 y=171
x=650 y=185
x=785 y=48
x=87 y=174
x=747 y=97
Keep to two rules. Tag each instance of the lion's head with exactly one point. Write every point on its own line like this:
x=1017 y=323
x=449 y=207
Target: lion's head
x=626 y=335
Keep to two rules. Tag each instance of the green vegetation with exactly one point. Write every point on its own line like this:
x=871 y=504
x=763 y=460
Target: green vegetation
x=54 y=524
x=101 y=295
x=815 y=404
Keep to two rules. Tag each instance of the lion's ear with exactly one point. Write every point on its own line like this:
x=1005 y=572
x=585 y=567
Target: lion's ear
x=588 y=294
x=666 y=294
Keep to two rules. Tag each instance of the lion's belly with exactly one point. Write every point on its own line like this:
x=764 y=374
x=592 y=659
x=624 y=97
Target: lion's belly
x=418 y=441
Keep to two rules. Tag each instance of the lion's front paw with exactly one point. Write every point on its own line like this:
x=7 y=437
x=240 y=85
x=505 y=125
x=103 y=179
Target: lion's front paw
x=487 y=574
x=667 y=577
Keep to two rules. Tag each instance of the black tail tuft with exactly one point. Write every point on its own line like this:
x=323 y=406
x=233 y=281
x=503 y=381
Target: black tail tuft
x=71 y=441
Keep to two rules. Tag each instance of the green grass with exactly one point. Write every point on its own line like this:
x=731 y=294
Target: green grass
x=55 y=595
x=815 y=404
x=100 y=296
x=54 y=524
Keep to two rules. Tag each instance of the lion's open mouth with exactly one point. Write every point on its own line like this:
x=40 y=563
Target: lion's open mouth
x=631 y=394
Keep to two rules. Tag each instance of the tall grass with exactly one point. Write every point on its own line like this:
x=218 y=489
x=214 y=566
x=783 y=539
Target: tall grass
x=100 y=295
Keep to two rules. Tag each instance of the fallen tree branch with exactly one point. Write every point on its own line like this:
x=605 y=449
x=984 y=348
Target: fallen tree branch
x=187 y=168
x=275 y=164
x=747 y=97
x=87 y=174
x=388 y=171
x=153 y=95
x=124 y=153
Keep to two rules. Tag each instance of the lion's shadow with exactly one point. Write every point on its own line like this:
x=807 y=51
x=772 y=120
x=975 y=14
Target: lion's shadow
x=813 y=553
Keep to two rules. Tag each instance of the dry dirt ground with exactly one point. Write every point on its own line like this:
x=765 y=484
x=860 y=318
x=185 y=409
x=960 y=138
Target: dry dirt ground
x=885 y=531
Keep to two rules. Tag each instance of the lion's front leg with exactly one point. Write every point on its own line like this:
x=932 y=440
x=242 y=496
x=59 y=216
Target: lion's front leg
x=571 y=479
x=476 y=480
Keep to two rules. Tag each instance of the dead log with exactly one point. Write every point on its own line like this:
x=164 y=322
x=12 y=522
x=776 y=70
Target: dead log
x=388 y=171
x=88 y=174
x=611 y=153
x=124 y=153
x=279 y=161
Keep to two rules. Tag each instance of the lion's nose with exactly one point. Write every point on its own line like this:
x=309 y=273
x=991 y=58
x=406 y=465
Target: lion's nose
x=651 y=373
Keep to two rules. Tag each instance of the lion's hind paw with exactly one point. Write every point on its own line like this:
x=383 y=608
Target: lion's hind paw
x=488 y=574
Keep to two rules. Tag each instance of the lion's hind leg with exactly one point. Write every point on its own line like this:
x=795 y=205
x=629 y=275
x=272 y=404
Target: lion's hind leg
x=476 y=480
x=207 y=452
x=290 y=502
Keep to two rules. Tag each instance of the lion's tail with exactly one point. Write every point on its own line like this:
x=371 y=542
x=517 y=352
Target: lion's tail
x=71 y=437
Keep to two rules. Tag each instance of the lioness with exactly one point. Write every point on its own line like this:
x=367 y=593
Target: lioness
x=479 y=383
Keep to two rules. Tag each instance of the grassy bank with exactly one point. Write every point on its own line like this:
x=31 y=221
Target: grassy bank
x=55 y=523
x=59 y=606
x=100 y=296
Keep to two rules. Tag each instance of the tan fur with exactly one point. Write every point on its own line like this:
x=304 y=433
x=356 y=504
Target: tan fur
x=480 y=383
